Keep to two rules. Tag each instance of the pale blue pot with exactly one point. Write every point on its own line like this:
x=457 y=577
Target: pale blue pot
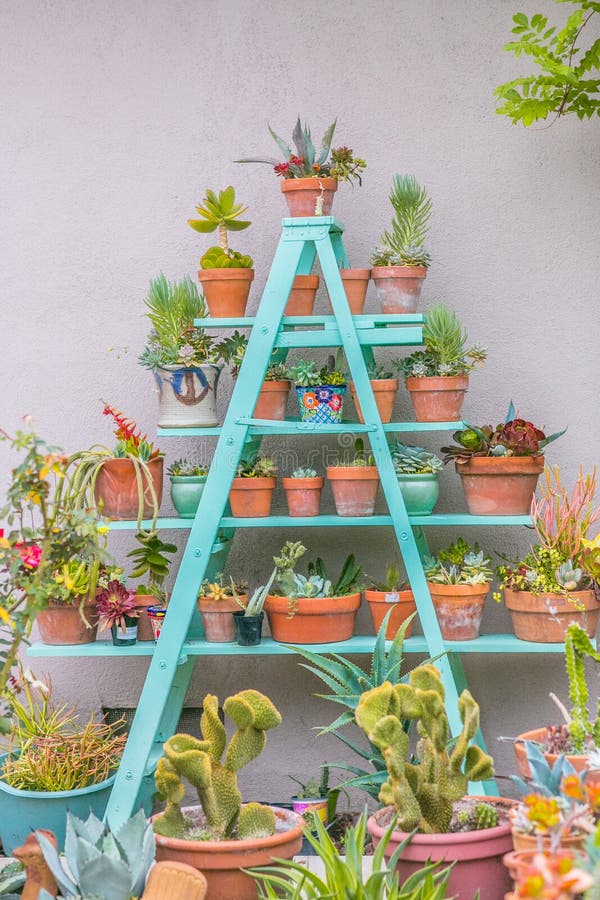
x=420 y=493
x=186 y=491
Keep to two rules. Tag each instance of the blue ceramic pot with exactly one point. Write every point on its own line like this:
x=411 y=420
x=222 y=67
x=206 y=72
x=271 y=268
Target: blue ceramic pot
x=420 y=493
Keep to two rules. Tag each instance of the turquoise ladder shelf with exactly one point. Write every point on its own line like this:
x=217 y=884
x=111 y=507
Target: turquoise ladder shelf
x=181 y=641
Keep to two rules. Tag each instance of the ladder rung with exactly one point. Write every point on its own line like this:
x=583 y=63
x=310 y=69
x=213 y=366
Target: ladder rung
x=288 y=426
x=284 y=521
x=365 y=320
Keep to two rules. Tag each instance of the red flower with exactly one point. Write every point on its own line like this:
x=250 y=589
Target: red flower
x=281 y=168
x=296 y=160
x=336 y=402
x=30 y=554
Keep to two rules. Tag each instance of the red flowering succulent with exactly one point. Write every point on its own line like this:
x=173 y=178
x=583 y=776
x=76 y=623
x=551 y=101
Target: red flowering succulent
x=114 y=603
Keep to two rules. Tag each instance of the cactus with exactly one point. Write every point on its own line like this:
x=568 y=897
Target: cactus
x=577 y=647
x=200 y=763
x=423 y=792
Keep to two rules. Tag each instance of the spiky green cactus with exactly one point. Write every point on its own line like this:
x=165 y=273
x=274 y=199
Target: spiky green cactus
x=424 y=792
x=200 y=763
x=581 y=728
x=484 y=816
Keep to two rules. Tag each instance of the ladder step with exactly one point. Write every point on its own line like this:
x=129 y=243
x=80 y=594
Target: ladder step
x=365 y=320
x=294 y=426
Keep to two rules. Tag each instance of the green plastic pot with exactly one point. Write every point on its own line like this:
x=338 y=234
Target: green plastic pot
x=186 y=491
x=420 y=493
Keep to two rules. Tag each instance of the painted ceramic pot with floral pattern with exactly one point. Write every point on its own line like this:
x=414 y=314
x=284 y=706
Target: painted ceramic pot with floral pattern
x=321 y=404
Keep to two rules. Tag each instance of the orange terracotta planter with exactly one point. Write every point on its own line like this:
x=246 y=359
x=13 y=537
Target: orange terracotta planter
x=354 y=489
x=459 y=608
x=272 y=400
x=438 y=399
x=398 y=288
x=385 y=390
x=518 y=862
x=578 y=761
x=356 y=282
x=142 y=602
x=544 y=618
x=217 y=618
x=226 y=291
x=302 y=195
x=222 y=862
x=251 y=498
x=116 y=486
x=500 y=485
x=321 y=620
x=402 y=604
x=62 y=624
x=301 y=301
x=303 y=495
x=523 y=841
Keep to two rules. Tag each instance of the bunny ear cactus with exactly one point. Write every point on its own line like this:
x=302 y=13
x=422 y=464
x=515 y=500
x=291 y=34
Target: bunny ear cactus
x=424 y=792
x=200 y=763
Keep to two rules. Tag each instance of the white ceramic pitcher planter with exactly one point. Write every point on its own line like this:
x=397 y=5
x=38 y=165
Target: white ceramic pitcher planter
x=187 y=396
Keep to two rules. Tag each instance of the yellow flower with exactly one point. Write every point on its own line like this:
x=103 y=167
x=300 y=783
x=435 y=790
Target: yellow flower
x=4 y=616
x=103 y=529
x=4 y=543
x=33 y=497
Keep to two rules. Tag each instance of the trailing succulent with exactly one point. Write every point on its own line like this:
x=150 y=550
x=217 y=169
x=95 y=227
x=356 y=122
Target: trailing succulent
x=445 y=351
x=414 y=460
x=201 y=763
x=423 y=792
x=582 y=730
x=459 y=564
x=513 y=437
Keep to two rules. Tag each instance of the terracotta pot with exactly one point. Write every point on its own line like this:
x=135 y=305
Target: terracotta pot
x=251 y=498
x=398 y=288
x=517 y=862
x=116 y=486
x=303 y=495
x=302 y=195
x=321 y=620
x=459 y=608
x=544 y=618
x=579 y=761
x=354 y=489
x=438 y=399
x=61 y=624
x=226 y=291
x=187 y=396
x=301 y=301
x=217 y=618
x=402 y=604
x=478 y=855
x=222 y=862
x=500 y=485
x=142 y=602
x=385 y=390
x=272 y=400
x=522 y=841
x=356 y=282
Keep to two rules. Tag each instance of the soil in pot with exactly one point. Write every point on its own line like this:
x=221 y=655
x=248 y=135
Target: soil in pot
x=63 y=624
x=309 y=196
x=438 y=399
x=459 y=608
x=398 y=288
x=544 y=618
x=272 y=400
x=579 y=761
x=248 y=629
x=187 y=397
x=321 y=620
x=226 y=291
x=186 y=491
x=217 y=618
x=385 y=390
x=301 y=301
x=251 y=497
x=420 y=492
x=500 y=485
x=303 y=495
x=402 y=604
x=116 y=486
x=354 y=489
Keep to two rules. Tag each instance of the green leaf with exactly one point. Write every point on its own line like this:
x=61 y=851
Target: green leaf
x=285 y=148
x=521 y=19
x=226 y=199
x=203 y=227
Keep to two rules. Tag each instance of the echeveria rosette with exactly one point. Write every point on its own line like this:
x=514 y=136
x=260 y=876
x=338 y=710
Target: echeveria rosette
x=114 y=603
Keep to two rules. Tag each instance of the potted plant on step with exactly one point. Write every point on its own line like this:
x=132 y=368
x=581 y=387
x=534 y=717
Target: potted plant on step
x=499 y=467
x=310 y=179
x=301 y=301
x=459 y=579
x=354 y=483
x=225 y=275
x=356 y=283
x=417 y=472
x=427 y=791
x=315 y=798
x=252 y=488
x=274 y=393
x=552 y=587
x=385 y=388
x=249 y=617
x=437 y=377
x=151 y=563
x=392 y=594
x=187 y=483
x=216 y=602
x=303 y=492
x=320 y=392
x=221 y=836
x=311 y=608
x=117 y=610
x=400 y=262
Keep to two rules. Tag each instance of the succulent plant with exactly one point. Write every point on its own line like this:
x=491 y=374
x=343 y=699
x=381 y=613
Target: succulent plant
x=223 y=213
x=256 y=602
x=277 y=372
x=306 y=374
x=459 y=564
x=217 y=258
x=317 y=583
x=184 y=468
x=113 y=604
x=481 y=816
x=445 y=351
x=403 y=244
x=378 y=372
x=414 y=460
x=257 y=467
x=393 y=581
x=568 y=576
x=514 y=437
x=304 y=473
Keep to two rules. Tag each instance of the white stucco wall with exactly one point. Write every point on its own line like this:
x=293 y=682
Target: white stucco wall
x=116 y=116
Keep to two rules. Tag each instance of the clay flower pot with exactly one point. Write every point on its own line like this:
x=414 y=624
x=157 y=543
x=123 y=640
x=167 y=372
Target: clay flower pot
x=272 y=400
x=187 y=396
x=354 y=489
x=356 y=282
x=303 y=495
x=523 y=841
x=301 y=301
x=385 y=390
x=222 y=862
x=500 y=485
x=420 y=491
x=398 y=288
x=438 y=399
x=312 y=620
x=217 y=618
x=402 y=604
x=62 y=624
x=517 y=863
x=117 y=488
x=579 y=761
x=459 y=608
x=544 y=618
x=226 y=291
x=309 y=196
x=142 y=604
x=478 y=854
x=251 y=498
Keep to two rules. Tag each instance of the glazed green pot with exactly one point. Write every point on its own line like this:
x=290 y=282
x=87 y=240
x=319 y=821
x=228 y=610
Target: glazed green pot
x=186 y=491
x=420 y=493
